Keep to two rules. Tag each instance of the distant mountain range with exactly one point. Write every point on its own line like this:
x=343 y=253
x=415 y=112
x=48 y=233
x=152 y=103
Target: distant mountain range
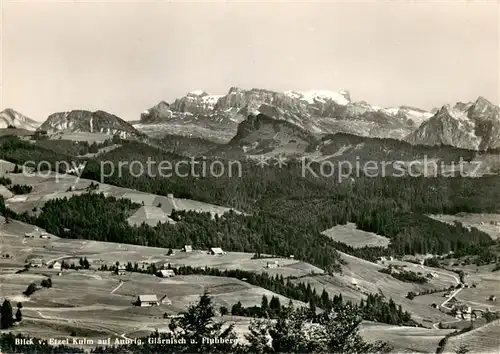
x=321 y=112
x=316 y=113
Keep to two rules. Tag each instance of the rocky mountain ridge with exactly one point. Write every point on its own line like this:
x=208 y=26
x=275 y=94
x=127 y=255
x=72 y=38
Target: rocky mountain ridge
x=319 y=111
x=473 y=125
x=78 y=121
x=12 y=118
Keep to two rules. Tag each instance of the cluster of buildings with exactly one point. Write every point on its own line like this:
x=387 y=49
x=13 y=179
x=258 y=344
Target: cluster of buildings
x=37 y=233
x=39 y=262
x=148 y=300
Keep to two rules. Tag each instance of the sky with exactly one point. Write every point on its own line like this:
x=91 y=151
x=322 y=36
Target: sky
x=126 y=56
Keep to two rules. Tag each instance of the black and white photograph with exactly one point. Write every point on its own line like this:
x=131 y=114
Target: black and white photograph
x=260 y=176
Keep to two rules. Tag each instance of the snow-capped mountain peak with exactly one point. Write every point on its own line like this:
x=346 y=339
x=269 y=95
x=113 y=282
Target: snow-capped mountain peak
x=312 y=96
x=197 y=93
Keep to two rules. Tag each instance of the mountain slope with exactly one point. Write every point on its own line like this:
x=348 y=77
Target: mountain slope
x=472 y=126
x=12 y=118
x=90 y=122
x=261 y=134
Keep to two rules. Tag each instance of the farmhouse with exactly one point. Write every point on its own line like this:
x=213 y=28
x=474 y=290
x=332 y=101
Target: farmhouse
x=216 y=251
x=120 y=270
x=36 y=262
x=56 y=266
x=147 y=300
x=272 y=265
x=187 y=248
x=35 y=232
x=165 y=300
x=166 y=273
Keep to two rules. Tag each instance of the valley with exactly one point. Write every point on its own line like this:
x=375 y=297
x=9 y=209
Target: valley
x=68 y=308
x=415 y=255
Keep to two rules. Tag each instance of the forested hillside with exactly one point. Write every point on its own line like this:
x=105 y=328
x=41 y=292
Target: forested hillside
x=289 y=210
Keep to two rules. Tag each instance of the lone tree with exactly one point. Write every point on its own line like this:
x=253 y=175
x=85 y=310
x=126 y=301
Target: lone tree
x=198 y=323
x=30 y=290
x=7 y=319
x=93 y=149
x=47 y=283
x=19 y=315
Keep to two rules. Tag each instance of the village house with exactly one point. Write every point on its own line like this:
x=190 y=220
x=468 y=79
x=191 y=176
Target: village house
x=187 y=248
x=36 y=232
x=56 y=266
x=120 y=270
x=216 y=251
x=463 y=311
x=36 y=262
x=166 y=273
x=147 y=300
x=165 y=300
x=272 y=265
x=354 y=283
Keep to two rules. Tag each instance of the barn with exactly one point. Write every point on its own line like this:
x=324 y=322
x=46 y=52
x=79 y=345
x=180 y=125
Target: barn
x=147 y=300
x=36 y=262
x=216 y=251
x=56 y=266
x=166 y=273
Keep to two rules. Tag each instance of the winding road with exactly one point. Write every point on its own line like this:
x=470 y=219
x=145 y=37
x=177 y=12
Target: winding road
x=451 y=296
